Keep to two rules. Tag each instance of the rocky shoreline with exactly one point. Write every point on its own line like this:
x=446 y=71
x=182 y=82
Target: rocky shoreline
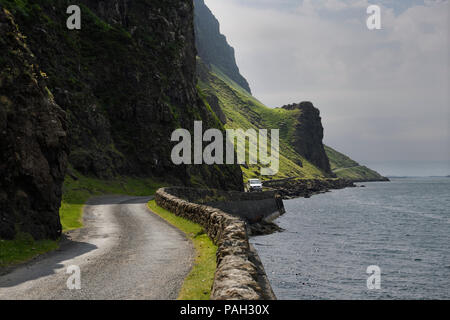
x=292 y=188
x=262 y=228
x=296 y=188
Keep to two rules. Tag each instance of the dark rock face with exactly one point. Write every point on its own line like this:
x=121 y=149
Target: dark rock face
x=33 y=144
x=213 y=47
x=308 y=137
x=126 y=80
x=215 y=106
x=111 y=94
x=203 y=74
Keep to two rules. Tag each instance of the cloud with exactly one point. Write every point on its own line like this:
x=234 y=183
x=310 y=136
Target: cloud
x=383 y=94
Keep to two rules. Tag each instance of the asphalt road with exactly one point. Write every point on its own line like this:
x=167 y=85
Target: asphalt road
x=124 y=252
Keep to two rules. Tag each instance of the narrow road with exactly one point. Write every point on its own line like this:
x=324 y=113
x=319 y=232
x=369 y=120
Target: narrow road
x=124 y=252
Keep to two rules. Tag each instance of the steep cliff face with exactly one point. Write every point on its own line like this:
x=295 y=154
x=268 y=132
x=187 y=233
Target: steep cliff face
x=307 y=139
x=126 y=80
x=105 y=99
x=213 y=47
x=33 y=144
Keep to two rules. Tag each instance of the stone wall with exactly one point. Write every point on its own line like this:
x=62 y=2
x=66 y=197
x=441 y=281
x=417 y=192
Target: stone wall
x=237 y=277
x=252 y=207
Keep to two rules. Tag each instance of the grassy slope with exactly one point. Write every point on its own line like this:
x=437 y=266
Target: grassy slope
x=244 y=111
x=198 y=284
x=344 y=167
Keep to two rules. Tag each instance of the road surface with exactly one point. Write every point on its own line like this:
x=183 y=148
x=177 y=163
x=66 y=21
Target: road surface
x=124 y=252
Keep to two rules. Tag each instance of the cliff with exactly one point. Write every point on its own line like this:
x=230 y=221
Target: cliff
x=33 y=141
x=307 y=139
x=213 y=47
x=118 y=88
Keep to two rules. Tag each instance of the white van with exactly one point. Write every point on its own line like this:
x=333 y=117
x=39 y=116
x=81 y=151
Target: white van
x=254 y=185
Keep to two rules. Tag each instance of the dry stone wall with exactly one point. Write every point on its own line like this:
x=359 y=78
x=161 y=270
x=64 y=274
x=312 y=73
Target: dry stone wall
x=252 y=207
x=236 y=278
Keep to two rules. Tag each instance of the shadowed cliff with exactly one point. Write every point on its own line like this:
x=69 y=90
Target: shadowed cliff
x=213 y=47
x=124 y=82
x=33 y=141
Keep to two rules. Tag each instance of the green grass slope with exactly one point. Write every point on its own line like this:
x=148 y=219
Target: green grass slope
x=346 y=168
x=243 y=111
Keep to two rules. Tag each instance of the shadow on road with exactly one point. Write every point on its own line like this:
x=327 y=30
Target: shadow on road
x=52 y=262
x=46 y=264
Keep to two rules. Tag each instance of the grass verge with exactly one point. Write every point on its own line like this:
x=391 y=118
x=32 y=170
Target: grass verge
x=23 y=248
x=198 y=284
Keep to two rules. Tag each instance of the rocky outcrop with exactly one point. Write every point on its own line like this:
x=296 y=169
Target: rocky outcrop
x=33 y=142
x=213 y=47
x=126 y=80
x=215 y=106
x=295 y=188
x=308 y=137
x=237 y=276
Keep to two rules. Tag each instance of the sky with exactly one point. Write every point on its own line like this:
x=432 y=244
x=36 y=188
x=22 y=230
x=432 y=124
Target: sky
x=383 y=94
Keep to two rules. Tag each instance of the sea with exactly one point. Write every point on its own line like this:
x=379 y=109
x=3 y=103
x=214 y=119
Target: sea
x=386 y=240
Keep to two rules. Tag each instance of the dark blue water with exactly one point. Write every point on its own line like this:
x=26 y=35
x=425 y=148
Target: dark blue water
x=330 y=239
